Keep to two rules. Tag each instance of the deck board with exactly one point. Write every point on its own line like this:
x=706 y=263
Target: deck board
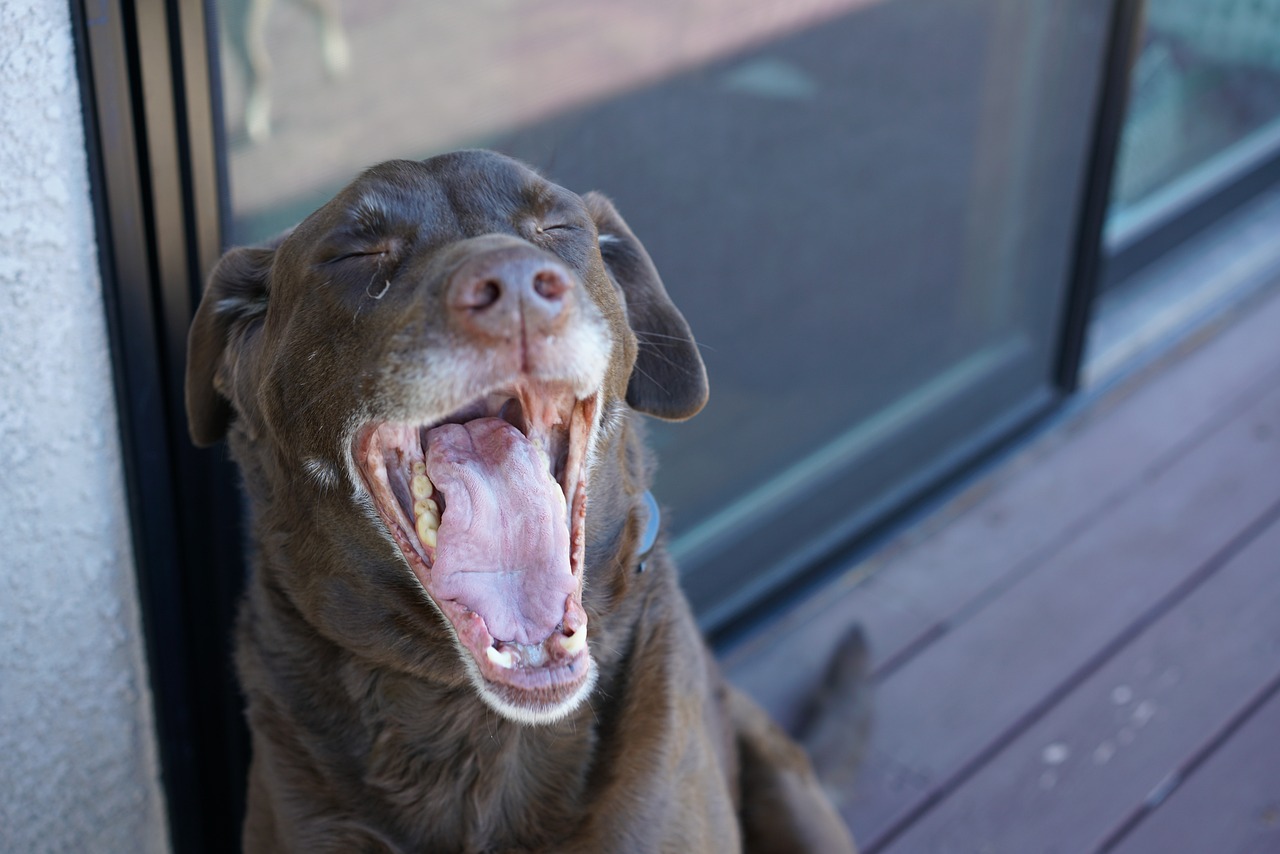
x=1137 y=539
x=917 y=588
x=945 y=710
x=1092 y=761
x=1230 y=804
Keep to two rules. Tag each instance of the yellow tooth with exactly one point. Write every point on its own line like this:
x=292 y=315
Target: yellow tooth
x=427 y=507
x=420 y=486
x=502 y=659
x=575 y=642
x=419 y=467
x=427 y=530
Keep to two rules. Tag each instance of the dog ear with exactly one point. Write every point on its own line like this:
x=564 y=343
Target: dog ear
x=669 y=379
x=234 y=299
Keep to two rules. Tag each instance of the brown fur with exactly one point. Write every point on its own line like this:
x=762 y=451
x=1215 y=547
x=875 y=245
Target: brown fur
x=367 y=734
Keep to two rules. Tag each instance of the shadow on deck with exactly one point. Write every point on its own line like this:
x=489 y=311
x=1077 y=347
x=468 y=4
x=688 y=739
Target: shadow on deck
x=1082 y=651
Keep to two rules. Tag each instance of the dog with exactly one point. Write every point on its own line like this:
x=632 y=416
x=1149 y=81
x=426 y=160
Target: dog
x=460 y=632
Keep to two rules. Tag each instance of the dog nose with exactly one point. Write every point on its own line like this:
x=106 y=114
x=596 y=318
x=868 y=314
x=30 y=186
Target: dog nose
x=502 y=291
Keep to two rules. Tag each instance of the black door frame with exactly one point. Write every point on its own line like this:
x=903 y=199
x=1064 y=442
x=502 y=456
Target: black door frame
x=150 y=88
x=149 y=110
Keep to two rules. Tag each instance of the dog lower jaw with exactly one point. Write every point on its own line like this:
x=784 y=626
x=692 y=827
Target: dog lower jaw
x=528 y=683
x=535 y=710
x=541 y=681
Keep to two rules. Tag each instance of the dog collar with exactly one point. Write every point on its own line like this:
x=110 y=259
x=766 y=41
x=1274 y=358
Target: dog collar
x=651 y=528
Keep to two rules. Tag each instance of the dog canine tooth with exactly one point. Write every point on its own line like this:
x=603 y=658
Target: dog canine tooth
x=421 y=486
x=573 y=643
x=504 y=659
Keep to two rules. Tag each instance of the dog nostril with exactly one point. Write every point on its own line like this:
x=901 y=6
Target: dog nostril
x=486 y=294
x=548 y=285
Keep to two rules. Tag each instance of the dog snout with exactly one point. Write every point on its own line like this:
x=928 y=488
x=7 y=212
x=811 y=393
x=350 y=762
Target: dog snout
x=503 y=293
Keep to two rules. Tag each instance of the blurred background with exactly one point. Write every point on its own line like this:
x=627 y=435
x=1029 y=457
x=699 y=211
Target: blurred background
x=868 y=211
x=912 y=237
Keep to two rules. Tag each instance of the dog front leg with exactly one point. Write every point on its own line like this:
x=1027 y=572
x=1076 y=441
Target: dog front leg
x=784 y=808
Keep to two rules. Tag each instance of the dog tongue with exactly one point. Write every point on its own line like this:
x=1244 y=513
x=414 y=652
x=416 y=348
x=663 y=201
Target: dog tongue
x=503 y=545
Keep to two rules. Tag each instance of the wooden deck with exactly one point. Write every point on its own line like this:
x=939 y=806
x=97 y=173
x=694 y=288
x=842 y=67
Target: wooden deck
x=1081 y=652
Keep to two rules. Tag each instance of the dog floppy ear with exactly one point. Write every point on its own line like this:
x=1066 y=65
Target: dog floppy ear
x=669 y=379
x=234 y=299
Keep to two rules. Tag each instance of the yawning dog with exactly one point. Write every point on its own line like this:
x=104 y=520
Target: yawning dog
x=459 y=633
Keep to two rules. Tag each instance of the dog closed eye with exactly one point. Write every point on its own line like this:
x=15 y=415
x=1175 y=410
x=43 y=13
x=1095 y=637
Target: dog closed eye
x=351 y=256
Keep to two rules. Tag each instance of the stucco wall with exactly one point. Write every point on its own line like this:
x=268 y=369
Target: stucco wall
x=78 y=768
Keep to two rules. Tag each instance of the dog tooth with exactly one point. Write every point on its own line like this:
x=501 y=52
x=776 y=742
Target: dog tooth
x=425 y=506
x=420 y=486
x=427 y=531
x=503 y=659
x=574 y=643
x=419 y=467
x=429 y=520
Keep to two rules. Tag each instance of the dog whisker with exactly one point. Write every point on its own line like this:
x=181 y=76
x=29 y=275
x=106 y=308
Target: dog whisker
x=679 y=366
x=641 y=334
x=649 y=377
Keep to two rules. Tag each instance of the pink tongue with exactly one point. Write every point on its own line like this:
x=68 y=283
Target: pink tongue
x=503 y=546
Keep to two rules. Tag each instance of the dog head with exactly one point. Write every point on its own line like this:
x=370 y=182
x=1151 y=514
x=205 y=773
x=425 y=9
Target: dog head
x=418 y=380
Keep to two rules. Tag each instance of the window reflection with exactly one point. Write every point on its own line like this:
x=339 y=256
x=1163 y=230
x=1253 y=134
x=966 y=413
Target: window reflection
x=315 y=89
x=865 y=209
x=1205 y=93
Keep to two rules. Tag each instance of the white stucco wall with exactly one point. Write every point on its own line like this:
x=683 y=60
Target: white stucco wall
x=78 y=767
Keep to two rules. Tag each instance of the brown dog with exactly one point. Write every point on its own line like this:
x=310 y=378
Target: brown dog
x=444 y=644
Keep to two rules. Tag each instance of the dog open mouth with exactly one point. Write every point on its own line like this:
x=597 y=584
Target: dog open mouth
x=488 y=508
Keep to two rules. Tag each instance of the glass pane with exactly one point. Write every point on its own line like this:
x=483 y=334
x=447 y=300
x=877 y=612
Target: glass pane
x=1205 y=99
x=865 y=210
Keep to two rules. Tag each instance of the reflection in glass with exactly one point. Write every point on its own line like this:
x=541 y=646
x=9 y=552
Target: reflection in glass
x=865 y=209
x=343 y=85
x=1205 y=97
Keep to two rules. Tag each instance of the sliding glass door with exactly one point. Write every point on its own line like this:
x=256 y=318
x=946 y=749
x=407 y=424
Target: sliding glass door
x=880 y=217
x=867 y=210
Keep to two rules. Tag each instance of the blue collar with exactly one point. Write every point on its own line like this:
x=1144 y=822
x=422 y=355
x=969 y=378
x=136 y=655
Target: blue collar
x=651 y=529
